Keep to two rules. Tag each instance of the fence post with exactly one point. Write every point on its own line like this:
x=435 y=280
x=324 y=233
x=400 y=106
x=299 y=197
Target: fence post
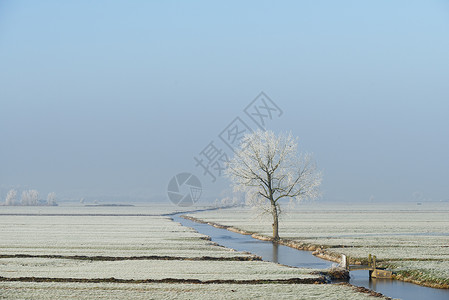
x=344 y=262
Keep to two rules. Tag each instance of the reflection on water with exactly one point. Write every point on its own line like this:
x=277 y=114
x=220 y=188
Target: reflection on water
x=276 y=253
x=396 y=288
x=304 y=259
x=265 y=249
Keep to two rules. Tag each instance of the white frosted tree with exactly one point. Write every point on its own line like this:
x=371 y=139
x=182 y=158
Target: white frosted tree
x=267 y=168
x=29 y=197
x=51 y=198
x=24 y=200
x=11 y=197
x=34 y=197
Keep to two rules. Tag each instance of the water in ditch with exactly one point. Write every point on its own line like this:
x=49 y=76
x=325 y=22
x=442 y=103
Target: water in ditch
x=304 y=259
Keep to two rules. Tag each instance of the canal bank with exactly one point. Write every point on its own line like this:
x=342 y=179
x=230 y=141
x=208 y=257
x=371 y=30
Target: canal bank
x=293 y=254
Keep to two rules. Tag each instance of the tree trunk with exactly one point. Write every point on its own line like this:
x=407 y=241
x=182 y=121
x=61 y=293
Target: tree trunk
x=274 y=212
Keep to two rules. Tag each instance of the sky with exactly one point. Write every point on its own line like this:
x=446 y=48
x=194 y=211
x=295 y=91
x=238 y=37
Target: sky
x=110 y=99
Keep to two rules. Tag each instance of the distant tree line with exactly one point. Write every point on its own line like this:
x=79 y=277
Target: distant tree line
x=29 y=198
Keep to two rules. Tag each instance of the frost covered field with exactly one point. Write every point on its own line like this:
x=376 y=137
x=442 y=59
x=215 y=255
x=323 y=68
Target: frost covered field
x=114 y=245
x=77 y=209
x=102 y=235
x=20 y=290
x=149 y=269
x=407 y=233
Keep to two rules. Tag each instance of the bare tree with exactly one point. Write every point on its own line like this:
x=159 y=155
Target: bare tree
x=11 y=197
x=268 y=168
x=51 y=198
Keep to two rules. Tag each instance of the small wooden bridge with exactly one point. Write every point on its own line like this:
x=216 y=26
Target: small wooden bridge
x=374 y=271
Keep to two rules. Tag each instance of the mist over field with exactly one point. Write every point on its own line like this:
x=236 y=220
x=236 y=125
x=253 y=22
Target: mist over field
x=107 y=101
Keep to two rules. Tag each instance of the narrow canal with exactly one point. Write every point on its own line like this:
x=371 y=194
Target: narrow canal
x=304 y=259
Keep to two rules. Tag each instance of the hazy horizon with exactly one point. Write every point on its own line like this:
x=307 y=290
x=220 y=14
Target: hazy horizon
x=111 y=99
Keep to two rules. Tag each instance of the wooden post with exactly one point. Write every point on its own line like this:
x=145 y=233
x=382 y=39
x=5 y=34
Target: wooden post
x=374 y=261
x=344 y=263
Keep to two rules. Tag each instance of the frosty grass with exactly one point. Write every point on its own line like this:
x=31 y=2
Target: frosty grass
x=93 y=234
x=30 y=290
x=407 y=236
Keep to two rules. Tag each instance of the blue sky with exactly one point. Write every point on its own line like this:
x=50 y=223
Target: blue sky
x=113 y=98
